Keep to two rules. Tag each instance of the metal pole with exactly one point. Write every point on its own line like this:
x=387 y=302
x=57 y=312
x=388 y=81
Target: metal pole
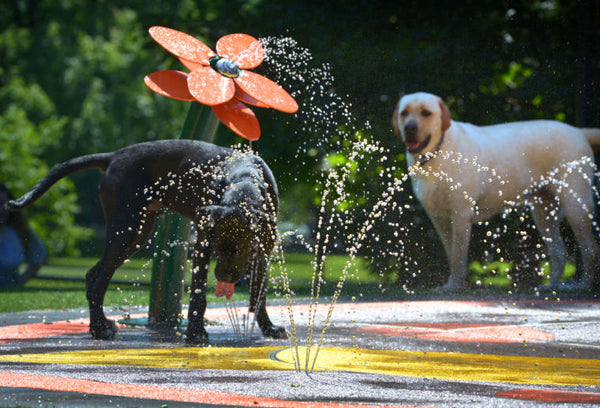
x=173 y=235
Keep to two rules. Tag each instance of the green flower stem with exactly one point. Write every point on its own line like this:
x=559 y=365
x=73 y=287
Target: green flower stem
x=173 y=234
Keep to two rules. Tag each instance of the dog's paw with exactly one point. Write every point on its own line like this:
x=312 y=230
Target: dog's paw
x=105 y=330
x=276 y=332
x=199 y=337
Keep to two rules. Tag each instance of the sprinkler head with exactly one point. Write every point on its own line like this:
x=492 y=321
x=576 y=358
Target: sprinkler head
x=225 y=67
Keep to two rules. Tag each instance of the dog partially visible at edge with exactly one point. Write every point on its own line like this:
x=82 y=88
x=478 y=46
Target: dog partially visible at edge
x=231 y=196
x=464 y=174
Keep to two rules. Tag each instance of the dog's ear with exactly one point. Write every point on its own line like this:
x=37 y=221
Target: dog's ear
x=395 y=124
x=208 y=215
x=445 y=116
x=266 y=228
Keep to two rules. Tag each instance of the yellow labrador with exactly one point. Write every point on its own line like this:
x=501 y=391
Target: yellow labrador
x=464 y=174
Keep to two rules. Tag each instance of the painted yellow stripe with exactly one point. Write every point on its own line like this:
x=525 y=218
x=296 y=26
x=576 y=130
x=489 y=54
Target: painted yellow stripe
x=446 y=366
x=458 y=366
x=221 y=358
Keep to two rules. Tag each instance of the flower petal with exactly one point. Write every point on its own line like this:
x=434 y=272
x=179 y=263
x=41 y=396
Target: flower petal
x=247 y=99
x=181 y=44
x=266 y=91
x=209 y=87
x=239 y=118
x=169 y=83
x=192 y=66
x=243 y=49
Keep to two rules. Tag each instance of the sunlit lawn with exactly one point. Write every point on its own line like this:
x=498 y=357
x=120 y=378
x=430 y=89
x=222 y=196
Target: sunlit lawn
x=64 y=286
x=131 y=283
x=498 y=273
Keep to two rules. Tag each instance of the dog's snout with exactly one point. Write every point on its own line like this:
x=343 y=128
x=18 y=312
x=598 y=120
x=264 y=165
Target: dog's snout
x=411 y=129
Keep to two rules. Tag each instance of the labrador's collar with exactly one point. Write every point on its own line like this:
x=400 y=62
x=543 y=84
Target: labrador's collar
x=424 y=158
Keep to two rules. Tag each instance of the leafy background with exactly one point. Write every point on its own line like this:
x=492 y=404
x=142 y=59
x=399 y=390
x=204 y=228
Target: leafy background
x=71 y=83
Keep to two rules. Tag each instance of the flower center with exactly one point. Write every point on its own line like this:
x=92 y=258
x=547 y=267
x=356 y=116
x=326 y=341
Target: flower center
x=225 y=67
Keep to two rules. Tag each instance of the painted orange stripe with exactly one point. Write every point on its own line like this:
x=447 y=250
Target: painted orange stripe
x=40 y=330
x=552 y=396
x=441 y=326
x=508 y=334
x=482 y=334
x=157 y=392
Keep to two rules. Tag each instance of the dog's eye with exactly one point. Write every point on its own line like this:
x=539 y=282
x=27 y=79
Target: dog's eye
x=404 y=113
x=425 y=113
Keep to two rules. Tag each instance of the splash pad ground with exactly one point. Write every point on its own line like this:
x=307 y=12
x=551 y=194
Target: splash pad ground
x=428 y=352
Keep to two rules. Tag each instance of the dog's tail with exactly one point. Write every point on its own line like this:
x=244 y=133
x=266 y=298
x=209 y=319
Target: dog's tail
x=92 y=161
x=593 y=137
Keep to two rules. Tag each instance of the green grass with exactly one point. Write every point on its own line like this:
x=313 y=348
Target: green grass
x=129 y=286
x=498 y=273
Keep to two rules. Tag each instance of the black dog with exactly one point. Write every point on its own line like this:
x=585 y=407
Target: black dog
x=231 y=197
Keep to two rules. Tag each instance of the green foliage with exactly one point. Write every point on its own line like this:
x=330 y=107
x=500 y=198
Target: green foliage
x=23 y=143
x=71 y=83
x=70 y=89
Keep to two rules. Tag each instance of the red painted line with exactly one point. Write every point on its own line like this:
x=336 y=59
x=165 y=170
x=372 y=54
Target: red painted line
x=441 y=326
x=552 y=396
x=41 y=330
x=156 y=392
x=459 y=332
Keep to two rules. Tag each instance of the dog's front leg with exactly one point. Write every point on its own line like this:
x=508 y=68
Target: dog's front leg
x=196 y=333
x=258 y=300
x=455 y=235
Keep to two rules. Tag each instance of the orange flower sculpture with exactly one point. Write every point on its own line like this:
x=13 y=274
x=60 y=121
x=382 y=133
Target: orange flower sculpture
x=220 y=80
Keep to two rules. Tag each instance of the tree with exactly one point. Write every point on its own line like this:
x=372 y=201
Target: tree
x=346 y=62
x=24 y=140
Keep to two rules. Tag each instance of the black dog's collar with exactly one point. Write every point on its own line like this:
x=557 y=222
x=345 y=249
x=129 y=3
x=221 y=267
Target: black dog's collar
x=430 y=155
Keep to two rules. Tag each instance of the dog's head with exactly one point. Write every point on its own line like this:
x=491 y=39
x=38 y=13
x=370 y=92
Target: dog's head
x=236 y=235
x=421 y=119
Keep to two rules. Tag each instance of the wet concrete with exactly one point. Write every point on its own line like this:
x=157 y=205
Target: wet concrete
x=441 y=353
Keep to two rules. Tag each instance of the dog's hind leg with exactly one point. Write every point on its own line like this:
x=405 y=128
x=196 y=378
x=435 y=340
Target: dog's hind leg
x=196 y=333
x=579 y=218
x=547 y=220
x=125 y=233
x=258 y=299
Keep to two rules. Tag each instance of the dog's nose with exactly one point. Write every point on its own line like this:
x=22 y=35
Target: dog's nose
x=410 y=129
